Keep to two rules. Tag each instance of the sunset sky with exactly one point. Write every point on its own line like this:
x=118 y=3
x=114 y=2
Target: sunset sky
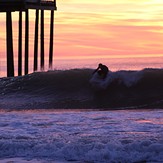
x=107 y=28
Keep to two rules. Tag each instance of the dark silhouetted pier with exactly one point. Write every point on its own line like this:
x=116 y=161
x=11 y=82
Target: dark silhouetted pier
x=20 y=6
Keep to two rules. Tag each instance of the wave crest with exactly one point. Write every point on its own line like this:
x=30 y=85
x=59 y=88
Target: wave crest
x=77 y=88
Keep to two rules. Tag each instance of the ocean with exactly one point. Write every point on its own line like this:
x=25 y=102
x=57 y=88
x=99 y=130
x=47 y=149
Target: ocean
x=78 y=136
x=69 y=115
x=114 y=64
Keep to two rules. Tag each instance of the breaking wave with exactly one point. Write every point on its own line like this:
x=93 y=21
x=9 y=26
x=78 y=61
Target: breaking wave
x=79 y=89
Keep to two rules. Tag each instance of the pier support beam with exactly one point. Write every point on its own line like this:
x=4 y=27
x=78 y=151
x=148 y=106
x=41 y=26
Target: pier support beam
x=26 y=40
x=20 y=45
x=10 y=54
x=42 y=39
x=51 y=39
x=36 y=41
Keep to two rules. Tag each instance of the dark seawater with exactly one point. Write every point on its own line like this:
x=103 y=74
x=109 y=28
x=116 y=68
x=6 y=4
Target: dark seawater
x=78 y=89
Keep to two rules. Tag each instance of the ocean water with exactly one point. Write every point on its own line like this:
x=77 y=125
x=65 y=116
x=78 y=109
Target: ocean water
x=114 y=64
x=79 y=89
x=69 y=115
x=44 y=136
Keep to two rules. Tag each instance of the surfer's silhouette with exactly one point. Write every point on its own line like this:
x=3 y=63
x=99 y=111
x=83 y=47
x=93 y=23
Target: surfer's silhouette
x=102 y=70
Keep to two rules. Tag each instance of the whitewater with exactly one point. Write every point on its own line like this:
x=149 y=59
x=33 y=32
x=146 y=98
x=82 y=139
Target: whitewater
x=64 y=116
x=81 y=136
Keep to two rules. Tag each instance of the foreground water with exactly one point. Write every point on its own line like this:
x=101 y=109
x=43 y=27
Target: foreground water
x=81 y=136
x=35 y=128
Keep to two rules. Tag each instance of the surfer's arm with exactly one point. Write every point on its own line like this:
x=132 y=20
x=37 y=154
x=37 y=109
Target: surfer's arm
x=96 y=70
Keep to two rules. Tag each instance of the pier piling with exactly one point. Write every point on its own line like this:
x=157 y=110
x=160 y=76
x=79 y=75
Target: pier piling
x=26 y=41
x=36 y=41
x=21 y=6
x=51 y=40
x=10 y=53
x=20 y=45
x=42 y=40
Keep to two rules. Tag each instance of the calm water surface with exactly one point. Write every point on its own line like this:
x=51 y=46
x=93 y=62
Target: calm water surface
x=114 y=64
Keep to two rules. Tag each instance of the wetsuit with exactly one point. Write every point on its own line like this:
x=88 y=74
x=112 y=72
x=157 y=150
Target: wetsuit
x=102 y=70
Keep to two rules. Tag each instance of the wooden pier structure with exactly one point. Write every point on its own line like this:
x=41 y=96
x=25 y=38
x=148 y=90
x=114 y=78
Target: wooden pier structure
x=20 y=6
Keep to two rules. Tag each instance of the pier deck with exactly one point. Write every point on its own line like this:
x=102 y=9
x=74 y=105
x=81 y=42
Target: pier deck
x=17 y=5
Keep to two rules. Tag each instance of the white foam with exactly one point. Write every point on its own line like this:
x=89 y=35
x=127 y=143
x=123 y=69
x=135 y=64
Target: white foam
x=109 y=136
x=99 y=83
x=126 y=77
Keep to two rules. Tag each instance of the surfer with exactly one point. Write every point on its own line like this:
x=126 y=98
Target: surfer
x=102 y=70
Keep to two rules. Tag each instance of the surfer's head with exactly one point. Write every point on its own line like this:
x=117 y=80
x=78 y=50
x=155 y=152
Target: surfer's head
x=100 y=64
